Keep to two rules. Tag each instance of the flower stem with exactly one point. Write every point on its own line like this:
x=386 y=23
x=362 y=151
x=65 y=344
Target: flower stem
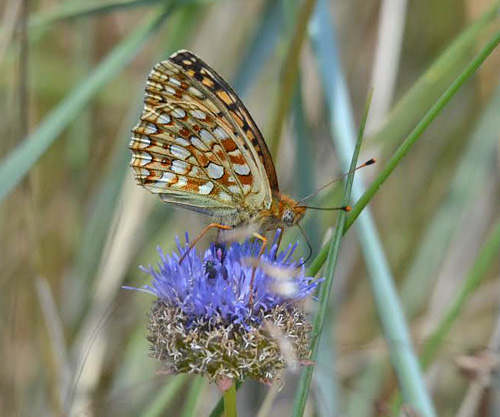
x=230 y=402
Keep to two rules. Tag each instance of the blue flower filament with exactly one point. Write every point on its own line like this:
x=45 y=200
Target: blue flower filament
x=217 y=284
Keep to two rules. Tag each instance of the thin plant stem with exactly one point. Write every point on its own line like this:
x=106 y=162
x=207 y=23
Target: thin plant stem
x=487 y=254
x=230 y=402
x=416 y=133
x=219 y=407
x=165 y=397
x=290 y=72
x=419 y=129
x=325 y=289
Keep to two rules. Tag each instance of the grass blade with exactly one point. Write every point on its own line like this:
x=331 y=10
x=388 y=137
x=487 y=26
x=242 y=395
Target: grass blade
x=476 y=164
x=77 y=9
x=326 y=287
x=382 y=283
x=416 y=133
x=433 y=82
x=18 y=163
x=165 y=396
x=487 y=254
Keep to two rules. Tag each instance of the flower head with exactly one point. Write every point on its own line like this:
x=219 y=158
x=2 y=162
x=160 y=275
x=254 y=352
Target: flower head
x=206 y=321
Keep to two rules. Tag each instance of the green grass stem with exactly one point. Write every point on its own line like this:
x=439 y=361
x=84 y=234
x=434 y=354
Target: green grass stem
x=388 y=306
x=326 y=287
x=433 y=82
x=166 y=395
x=219 y=407
x=419 y=129
x=193 y=397
x=230 y=402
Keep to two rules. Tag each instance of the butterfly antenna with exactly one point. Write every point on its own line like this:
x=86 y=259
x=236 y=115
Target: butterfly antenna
x=343 y=208
x=369 y=162
x=308 y=245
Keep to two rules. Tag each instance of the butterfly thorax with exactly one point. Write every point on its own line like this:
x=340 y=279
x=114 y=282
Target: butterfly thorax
x=284 y=212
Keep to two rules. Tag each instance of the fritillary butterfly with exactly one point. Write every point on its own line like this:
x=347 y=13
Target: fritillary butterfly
x=197 y=147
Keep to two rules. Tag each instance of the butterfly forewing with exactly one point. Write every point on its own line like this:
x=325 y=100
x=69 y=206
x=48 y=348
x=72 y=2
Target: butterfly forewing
x=194 y=144
x=235 y=109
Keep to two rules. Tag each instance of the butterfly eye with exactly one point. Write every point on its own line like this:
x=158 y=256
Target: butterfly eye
x=288 y=217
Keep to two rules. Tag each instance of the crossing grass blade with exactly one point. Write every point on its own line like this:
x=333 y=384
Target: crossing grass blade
x=77 y=9
x=325 y=289
x=410 y=140
x=474 y=167
x=419 y=129
x=433 y=82
x=476 y=163
x=162 y=400
x=389 y=310
x=20 y=161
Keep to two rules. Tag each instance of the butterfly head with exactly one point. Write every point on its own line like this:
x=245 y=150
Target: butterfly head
x=289 y=212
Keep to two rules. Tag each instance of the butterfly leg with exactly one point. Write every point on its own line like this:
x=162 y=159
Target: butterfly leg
x=218 y=238
x=203 y=233
x=254 y=269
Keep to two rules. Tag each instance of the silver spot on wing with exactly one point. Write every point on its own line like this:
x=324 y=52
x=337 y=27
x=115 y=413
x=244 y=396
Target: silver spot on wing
x=215 y=171
x=206 y=188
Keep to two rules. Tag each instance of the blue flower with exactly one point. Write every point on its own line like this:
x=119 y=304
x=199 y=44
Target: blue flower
x=217 y=284
x=207 y=319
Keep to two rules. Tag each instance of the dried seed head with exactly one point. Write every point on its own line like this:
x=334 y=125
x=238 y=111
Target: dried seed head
x=217 y=349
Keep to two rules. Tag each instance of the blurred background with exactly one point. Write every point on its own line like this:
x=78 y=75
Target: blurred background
x=75 y=227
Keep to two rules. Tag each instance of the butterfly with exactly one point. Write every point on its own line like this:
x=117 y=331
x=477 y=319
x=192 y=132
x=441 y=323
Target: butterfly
x=197 y=147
